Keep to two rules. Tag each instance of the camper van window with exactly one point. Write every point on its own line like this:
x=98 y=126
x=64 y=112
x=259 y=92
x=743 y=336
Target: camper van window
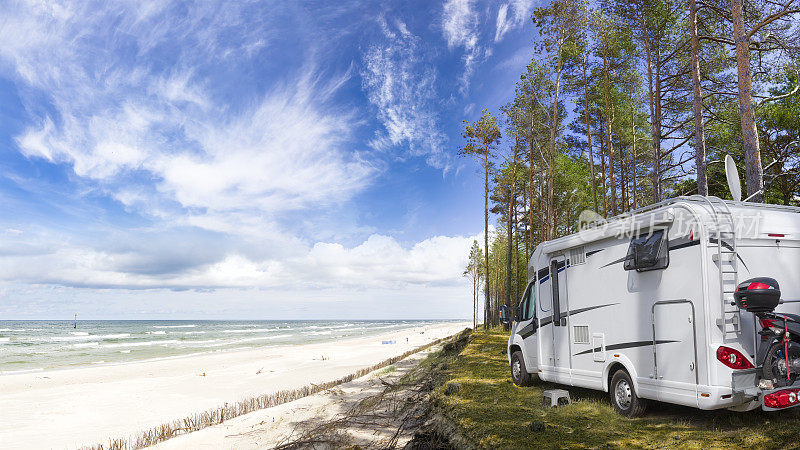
x=649 y=251
x=527 y=305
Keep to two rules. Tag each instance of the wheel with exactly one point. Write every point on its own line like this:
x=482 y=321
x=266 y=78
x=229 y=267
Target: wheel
x=519 y=374
x=775 y=364
x=624 y=397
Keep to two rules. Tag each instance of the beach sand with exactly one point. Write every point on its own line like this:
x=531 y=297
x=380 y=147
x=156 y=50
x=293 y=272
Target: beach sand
x=70 y=408
x=321 y=414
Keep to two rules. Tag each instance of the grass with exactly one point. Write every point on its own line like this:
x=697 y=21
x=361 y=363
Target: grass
x=494 y=413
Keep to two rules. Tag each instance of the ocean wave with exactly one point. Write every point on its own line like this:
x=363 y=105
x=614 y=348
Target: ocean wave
x=207 y=341
x=115 y=336
x=86 y=345
x=174 y=326
x=262 y=338
x=250 y=330
x=89 y=337
x=81 y=337
x=316 y=333
x=138 y=344
x=157 y=332
x=79 y=333
x=5 y=339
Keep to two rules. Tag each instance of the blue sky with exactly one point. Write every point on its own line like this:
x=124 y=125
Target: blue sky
x=164 y=159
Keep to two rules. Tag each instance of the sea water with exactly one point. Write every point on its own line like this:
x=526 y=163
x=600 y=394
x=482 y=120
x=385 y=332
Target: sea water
x=43 y=345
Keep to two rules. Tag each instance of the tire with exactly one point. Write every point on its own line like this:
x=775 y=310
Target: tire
x=623 y=396
x=774 y=367
x=519 y=374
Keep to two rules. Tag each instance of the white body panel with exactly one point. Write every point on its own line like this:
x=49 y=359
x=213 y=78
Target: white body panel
x=662 y=325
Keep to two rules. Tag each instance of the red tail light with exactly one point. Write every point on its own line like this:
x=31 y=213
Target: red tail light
x=758 y=286
x=782 y=399
x=770 y=323
x=733 y=358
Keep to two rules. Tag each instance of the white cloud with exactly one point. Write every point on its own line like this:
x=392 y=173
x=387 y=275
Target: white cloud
x=402 y=85
x=520 y=14
x=380 y=262
x=502 y=24
x=460 y=27
x=460 y=22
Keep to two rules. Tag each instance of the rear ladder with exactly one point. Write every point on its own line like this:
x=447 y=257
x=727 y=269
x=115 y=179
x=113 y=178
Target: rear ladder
x=723 y=234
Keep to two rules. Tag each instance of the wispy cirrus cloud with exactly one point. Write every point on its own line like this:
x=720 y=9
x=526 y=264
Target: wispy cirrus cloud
x=512 y=15
x=116 y=115
x=460 y=26
x=401 y=84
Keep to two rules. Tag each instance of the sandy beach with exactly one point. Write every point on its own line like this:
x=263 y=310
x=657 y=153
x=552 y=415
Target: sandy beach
x=67 y=409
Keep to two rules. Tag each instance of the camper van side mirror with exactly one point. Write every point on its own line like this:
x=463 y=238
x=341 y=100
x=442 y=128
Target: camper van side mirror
x=506 y=315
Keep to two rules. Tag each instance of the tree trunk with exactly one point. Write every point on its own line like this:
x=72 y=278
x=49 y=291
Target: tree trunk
x=603 y=168
x=486 y=233
x=699 y=135
x=589 y=129
x=754 y=175
x=609 y=120
x=511 y=195
x=654 y=97
x=551 y=154
x=635 y=167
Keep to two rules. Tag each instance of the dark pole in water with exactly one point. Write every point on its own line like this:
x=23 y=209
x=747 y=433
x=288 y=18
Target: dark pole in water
x=76 y=322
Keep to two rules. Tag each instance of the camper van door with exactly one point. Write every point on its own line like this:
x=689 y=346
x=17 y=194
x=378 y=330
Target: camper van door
x=561 y=343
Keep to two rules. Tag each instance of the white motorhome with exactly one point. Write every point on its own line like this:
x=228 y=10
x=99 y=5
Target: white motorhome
x=641 y=306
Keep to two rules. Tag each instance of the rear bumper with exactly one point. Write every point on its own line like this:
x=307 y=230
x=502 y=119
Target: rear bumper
x=747 y=384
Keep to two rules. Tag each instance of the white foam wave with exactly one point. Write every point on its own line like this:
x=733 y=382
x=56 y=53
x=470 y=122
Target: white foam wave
x=250 y=330
x=82 y=337
x=85 y=345
x=262 y=338
x=138 y=344
x=115 y=336
x=4 y=339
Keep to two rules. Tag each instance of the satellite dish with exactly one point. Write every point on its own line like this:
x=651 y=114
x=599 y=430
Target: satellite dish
x=732 y=174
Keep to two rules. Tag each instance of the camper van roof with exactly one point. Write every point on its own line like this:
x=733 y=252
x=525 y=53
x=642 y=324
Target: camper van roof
x=600 y=229
x=701 y=200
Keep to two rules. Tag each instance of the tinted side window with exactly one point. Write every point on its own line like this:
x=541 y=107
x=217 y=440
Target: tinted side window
x=531 y=299
x=648 y=252
x=527 y=304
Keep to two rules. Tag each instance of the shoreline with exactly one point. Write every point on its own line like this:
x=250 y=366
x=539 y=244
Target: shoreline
x=196 y=354
x=199 y=351
x=121 y=400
